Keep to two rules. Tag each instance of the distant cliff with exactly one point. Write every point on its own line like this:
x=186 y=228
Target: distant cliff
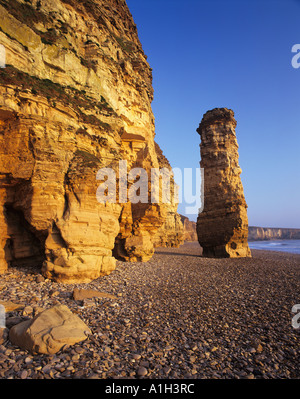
x=265 y=233
x=189 y=229
x=254 y=233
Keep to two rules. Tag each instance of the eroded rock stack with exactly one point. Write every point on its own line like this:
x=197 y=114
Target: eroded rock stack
x=75 y=96
x=222 y=227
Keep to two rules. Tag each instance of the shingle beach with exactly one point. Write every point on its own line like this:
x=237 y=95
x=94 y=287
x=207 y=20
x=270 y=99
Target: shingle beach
x=177 y=316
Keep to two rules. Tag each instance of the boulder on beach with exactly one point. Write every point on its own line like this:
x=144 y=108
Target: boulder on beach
x=49 y=331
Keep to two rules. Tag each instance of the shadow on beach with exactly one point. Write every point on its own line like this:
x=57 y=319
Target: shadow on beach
x=177 y=254
x=189 y=248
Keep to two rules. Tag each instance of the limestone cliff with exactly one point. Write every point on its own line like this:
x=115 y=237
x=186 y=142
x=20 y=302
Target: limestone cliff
x=75 y=96
x=170 y=234
x=189 y=229
x=222 y=227
x=265 y=233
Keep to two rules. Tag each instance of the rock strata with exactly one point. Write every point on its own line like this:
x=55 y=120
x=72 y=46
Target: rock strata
x=75 y=97
x=189 y=229
x=222 y=227
x=170 y=234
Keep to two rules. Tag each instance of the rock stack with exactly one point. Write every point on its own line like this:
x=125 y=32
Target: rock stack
x=222 y=227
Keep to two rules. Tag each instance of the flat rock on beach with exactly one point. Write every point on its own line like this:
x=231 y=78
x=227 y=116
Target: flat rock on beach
x=177 y=316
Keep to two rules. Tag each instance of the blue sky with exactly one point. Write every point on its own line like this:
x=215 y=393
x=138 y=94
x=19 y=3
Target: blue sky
x=235 y=54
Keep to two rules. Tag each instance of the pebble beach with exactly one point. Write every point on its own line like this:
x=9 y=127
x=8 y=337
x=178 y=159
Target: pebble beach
x=178 y=316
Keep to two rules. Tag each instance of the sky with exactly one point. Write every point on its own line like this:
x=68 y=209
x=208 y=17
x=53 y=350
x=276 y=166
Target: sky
x=235 y=54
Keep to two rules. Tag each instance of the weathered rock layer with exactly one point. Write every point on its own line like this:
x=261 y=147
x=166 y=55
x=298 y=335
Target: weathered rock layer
x=75 y=97
x=222 y=227
x=189 y=229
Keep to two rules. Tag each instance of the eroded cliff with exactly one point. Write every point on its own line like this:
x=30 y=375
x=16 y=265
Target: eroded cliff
x=271 y=233
x=189 y=229
x=75 y=96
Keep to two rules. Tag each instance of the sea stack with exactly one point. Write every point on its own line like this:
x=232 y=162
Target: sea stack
x=222 y=226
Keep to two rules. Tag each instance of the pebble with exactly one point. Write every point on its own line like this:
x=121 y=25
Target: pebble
x=40 y=279
x=136 y=356
x=28 y=310
x=24 y=374
x=142 y=372
x=259 y=348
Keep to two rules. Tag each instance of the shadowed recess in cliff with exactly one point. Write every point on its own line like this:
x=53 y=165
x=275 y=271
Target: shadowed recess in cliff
x=24 y=246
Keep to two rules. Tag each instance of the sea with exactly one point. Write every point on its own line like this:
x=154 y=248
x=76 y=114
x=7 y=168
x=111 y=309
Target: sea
x=292 y=246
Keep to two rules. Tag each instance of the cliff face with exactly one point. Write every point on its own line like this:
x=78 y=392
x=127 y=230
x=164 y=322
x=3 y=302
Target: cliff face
x=75 y=97
x=189 y=229
x=222 y=227
x=171 y=233
x=265 y=233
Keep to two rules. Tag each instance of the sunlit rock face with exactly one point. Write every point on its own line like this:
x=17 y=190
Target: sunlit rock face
x=75 y=97
x=222 y=227
x=189 y=229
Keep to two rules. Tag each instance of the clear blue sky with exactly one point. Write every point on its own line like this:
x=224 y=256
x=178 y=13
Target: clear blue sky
x=234 y=54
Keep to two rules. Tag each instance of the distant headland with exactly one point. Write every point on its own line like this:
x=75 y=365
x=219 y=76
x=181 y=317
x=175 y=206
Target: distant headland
x=266 y=233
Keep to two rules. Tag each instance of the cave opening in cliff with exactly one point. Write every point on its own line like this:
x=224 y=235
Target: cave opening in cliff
x=25 y=246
